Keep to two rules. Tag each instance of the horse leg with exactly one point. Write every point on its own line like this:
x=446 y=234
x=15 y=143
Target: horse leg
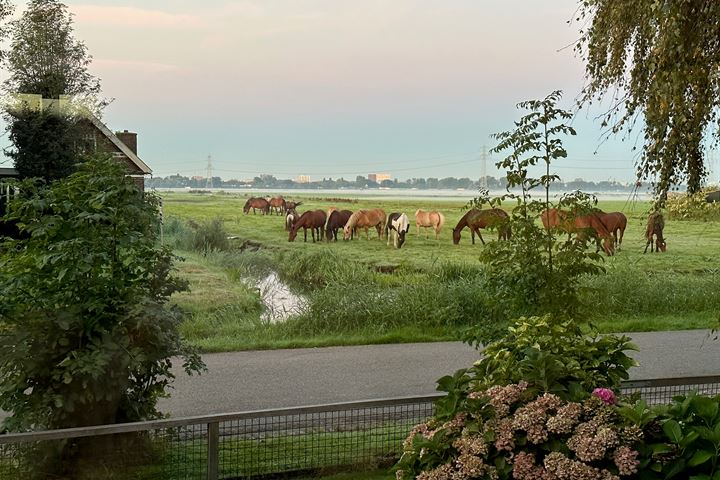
x=480 y=236
x=472 y=235
x=305 y=232
x=649 y=242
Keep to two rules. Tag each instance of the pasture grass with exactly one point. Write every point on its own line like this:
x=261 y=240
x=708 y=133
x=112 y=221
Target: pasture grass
x=435 y=289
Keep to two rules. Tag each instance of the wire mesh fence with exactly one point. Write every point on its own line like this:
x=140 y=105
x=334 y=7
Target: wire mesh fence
x=289 y=442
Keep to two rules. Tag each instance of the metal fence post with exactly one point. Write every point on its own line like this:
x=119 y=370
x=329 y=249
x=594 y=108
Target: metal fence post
x=213 y=453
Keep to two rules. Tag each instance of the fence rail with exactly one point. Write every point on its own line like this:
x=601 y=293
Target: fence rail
x=263 y=442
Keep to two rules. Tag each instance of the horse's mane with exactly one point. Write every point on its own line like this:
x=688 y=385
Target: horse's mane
x=352 y=221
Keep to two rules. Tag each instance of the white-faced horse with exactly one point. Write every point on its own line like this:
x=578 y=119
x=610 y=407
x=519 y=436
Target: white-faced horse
x=397 y=226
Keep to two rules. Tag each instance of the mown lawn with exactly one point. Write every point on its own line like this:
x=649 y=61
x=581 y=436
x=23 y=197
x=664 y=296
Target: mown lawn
x=434 y=285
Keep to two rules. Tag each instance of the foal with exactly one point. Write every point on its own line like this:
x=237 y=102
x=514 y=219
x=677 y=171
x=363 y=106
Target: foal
x=655 y=226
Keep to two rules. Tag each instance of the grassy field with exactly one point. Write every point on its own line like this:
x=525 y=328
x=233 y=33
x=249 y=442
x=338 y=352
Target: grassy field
x=435 y=290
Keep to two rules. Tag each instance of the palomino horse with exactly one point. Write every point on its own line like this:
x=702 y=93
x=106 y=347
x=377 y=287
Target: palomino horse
x=336 y=221
x=580 y=225
x=616 y=223
x=655 y=226
x=476 y=219
x=314 y=220
x=278 y=204
x=434 y=220
x=397 y=226
x=257 y=203
x=290 y=216
x=365 y=219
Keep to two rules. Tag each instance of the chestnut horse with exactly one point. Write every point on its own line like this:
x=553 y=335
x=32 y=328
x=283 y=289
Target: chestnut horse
x=655 y=226
x=278 y=204
x=397 y=226
x=365 y=219
x=257 y=202
x=312 y=219
x=616 y=223
x=434 y=220
x=579 y=224
x=476 y=219
x=336 y=221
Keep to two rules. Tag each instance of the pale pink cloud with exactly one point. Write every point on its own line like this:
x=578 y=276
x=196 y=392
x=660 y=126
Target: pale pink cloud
x=133 y=17
x=108 y=64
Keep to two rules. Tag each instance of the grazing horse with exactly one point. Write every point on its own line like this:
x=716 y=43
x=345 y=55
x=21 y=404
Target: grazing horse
x=336 y=221
x=365 y=219
x=476 y=219
x=580 y=225
x=397 y=226
x=312 y=219
x=616 y=223
x=257 y=203
x=292 y=205
x=434 y=220
x=278 y=204
x=290 y=217
x=655 y=226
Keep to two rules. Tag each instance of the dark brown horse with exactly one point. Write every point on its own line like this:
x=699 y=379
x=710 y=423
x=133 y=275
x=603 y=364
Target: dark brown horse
x=476 y=219
x=257 y=203
x=292 y=205
x=616 y=223
x=580 y=225
x=336 y=221
x=278 y=204
x=314 y=220
x=655 y=226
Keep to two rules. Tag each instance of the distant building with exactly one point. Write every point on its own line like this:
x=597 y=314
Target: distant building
x=303 y=179
x=378 y=177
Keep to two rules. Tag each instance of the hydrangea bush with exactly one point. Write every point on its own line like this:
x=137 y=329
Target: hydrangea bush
x=512 y=432
x=544 y=404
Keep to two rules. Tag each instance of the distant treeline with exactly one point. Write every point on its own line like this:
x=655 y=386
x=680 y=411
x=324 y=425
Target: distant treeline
x=447 y=183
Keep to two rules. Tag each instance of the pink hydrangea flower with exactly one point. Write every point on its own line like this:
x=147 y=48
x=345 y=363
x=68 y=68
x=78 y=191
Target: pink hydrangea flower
x=605 y=394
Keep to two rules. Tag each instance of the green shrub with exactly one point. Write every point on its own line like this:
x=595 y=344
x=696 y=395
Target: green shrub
x=693 y=207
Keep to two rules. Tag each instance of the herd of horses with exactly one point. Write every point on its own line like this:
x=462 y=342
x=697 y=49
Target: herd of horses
x=607 y=229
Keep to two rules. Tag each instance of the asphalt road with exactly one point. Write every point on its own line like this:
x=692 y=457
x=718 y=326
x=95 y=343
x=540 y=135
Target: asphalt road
x=284 y=378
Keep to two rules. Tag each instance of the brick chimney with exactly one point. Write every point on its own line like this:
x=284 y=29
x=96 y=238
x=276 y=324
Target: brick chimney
x=129 y=139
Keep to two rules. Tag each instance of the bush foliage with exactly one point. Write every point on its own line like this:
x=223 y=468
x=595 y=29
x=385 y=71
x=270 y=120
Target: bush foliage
x=87 y=334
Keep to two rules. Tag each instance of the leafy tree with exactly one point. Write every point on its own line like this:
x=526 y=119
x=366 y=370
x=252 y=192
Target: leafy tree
x=45 y=143
x=45 y=59
x=661 y=60
x=533 y=272
x=87 y=336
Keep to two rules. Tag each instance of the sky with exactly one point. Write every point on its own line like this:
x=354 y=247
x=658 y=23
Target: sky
x=338 y=88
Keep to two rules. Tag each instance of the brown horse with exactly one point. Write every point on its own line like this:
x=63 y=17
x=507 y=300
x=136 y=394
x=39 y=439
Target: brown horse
x=257 y=203
x=312 y=219
x=580 y=225
x=476 y=219
x=616 y=223
x=292 y=205
x=336 y=221
x=434 y=220
x=365 y=219
x=278 y=204
x=655 y=226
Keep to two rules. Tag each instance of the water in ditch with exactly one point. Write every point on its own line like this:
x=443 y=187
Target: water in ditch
x=280 y=302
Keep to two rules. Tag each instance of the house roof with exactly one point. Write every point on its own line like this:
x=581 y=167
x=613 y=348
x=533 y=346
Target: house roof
x=119 y=144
